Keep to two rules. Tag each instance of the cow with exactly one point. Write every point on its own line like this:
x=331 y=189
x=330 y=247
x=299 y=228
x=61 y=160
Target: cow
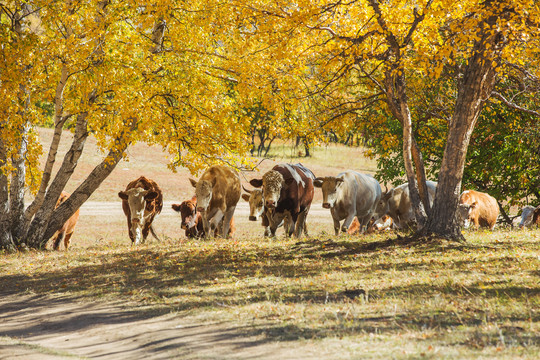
x=536 y=216
x=383 y=224
x=142 y=200
x=218 y=191
x=397 y=204
x=288 y=192
x=350 y=194
x=477 y=208
x=66 y=231
x=256 y=203
x=191 y=218
x=527 y=216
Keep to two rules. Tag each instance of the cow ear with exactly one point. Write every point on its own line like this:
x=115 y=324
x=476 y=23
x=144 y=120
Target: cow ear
x=256 y=183
x=123 y=195
x=194 y=199
x=214 y=181
x=176 y=207
x=151 y=195
x=318 y=182
x=339 y=181
x=245 y=197
x=193 y=182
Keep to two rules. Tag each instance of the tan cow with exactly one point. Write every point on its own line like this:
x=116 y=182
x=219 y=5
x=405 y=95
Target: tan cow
x=141 y=201
x=218 y=191
x=67 y=229
x=477 y=208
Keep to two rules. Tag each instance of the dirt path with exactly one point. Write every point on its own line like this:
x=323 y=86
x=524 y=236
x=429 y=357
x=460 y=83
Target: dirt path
x=44 y=327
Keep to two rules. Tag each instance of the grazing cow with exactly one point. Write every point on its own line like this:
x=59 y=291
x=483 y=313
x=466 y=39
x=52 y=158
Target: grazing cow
x=141 y=201
x=348 y=195
x=66 y=231
x=397 y=204
x=218 y=191
x=527 y=216
x=288 y=192
x=191 y=218
x=477 y=208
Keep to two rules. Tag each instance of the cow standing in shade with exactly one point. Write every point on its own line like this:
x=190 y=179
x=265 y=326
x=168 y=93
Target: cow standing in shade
x=397 y=204
x=348 y=195
x=478 y=208
x=527 y=214
x=288 y=192
x=191 y=218
x=67 y=229
x=141 y=201
x=217 y=191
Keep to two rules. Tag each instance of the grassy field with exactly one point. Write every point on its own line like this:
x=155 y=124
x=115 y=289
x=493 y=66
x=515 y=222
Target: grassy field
x=354 y=296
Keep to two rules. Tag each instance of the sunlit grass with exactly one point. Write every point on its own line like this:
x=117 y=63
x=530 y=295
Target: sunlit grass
x=480 y=299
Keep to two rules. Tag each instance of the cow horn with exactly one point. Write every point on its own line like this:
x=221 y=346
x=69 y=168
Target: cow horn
x=246 y=190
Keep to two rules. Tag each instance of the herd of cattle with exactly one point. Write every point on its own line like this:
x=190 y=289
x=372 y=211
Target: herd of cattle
x=282 y=197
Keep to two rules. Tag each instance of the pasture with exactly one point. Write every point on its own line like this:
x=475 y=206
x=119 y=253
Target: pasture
x=249 y=297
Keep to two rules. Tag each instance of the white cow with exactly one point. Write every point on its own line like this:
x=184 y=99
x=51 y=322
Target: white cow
x=348 y=195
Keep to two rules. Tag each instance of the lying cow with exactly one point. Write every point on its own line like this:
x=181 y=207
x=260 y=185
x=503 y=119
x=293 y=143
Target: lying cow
x=66 y=231
x=288 y=192
x=141 y=201
x=191 y=218
x=477 y=208
x=397 y=204
x=348 y=195
x=218 y=191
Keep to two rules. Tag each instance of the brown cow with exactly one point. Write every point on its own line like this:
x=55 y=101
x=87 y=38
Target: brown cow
x=536 y=216
x=218 y=191
x=478 y=208
x=141 y=201
x=67 y=229
x=288 y=192
x=192 y=219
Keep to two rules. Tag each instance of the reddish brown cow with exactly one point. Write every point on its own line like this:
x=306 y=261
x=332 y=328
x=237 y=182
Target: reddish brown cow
x=536 y=216
x=478 y=208
x=141 y=201
x=191 y=218
x=287 y=191
x=69 y=226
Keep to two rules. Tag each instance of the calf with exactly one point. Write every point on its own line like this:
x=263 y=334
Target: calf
x=218 y=191
x=191 y=218
x=141 y=201
x=288 y=192
x=67 y=229
x=350 y=194
x=477 y=208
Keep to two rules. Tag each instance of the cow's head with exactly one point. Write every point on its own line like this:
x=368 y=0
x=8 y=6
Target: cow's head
x=464 y=213
x=272 y=182
x=203 y=192
x=526 y=216
x=137 y=199
x=383 y=207
x=188 y=213
x=329 y=186
x=256 y=203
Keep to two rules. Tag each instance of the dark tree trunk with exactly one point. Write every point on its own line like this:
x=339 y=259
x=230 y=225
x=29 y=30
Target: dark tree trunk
x=477 y=83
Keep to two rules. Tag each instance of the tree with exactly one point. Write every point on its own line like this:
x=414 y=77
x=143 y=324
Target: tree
x=361 y=53
x=111 y=69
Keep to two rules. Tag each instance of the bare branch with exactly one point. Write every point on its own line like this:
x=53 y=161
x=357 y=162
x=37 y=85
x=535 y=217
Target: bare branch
x=514 y=105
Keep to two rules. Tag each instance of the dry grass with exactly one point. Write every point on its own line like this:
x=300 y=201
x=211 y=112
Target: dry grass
x=476 y=300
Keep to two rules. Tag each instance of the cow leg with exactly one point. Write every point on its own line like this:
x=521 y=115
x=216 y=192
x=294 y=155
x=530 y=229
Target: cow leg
x=145 y=232
x=348 y=221
x=227 y=221
x=216 y=220
x=130 y=231
x=67 y=238
x=363 y=222
x=61 y=235
x=275 y=221
x=300 y=223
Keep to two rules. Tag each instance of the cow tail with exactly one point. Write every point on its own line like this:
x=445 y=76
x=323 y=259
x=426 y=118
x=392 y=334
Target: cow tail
x=154 y=233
